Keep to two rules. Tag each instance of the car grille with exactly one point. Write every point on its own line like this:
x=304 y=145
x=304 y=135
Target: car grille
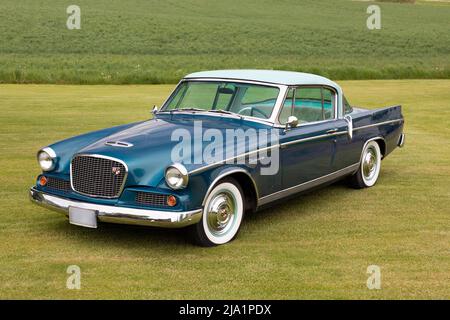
x=151 y=199
x=97 y=176
x=58 y=184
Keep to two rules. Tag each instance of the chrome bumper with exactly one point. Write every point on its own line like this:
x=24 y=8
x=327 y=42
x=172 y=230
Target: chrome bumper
x=123 y=215
x=401 y=140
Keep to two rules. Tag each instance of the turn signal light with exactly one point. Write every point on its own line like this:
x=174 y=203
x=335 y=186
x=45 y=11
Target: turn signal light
x=171 y=201
x=43 y=181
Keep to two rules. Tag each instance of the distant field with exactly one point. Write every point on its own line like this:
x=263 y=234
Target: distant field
x=140 y=41
x=315 y=246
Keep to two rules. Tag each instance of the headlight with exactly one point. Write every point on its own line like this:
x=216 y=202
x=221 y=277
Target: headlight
x=177 y=176
x=46 y=158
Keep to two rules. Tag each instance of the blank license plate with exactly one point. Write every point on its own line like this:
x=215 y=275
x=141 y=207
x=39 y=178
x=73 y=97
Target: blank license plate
x=82 y=217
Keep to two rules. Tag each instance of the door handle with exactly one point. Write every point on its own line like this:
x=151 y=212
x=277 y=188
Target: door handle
x=332 y=131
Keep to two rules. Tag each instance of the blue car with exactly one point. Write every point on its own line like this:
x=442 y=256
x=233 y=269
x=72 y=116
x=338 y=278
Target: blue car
x=223 y=144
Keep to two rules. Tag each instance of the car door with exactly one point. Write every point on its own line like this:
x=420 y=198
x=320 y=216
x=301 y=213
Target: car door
x=307 y=150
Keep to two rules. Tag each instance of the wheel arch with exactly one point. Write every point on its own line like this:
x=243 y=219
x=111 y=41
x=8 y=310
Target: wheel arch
x=381 y=142
x=246 y=182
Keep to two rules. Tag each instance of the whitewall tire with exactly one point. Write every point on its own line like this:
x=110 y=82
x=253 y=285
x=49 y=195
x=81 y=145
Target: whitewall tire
x=223 y=213
x=369 y=167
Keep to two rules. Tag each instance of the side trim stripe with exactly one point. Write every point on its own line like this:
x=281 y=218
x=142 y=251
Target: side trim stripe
x=377 y=124
x=313 y=138
x=232 y=158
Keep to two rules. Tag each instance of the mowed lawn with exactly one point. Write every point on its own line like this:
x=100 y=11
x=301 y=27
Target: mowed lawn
x=315 y=246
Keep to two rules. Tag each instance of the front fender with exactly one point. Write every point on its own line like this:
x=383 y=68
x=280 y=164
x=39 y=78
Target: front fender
x=200 y=184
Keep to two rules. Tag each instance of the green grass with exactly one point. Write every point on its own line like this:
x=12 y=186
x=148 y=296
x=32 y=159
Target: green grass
x=140 y=41
x=315 y=246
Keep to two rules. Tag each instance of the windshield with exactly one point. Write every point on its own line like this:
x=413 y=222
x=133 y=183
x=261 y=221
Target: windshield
x=211 y=96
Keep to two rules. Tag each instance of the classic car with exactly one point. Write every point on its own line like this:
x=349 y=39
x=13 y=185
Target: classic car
x=150 y=173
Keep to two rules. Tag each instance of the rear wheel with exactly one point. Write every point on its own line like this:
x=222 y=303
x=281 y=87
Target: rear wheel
x=369 y=167
x=222 y=215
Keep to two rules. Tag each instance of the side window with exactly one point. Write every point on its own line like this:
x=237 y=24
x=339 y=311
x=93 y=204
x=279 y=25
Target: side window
x=328 y=104
x=308 y=104
x=347 y=107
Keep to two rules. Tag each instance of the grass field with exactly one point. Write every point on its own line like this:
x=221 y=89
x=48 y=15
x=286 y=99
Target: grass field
x=140 y=41
x=316 y=246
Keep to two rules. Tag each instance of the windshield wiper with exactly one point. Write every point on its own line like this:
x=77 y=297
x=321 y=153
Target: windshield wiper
x=187 y=109
x=221 y=111
x=225 y=112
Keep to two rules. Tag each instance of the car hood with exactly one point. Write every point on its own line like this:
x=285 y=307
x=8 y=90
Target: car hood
x=151 y=143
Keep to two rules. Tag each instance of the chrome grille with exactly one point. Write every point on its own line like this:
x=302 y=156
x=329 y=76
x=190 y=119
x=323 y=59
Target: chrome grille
x=58 y=184
x=98 y=176
x=151 y=199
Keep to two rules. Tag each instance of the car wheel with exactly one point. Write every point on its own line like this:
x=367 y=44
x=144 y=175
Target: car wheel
x=222 y=215
x=369 y=167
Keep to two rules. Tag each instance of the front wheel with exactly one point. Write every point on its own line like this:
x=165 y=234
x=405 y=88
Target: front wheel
x=222 y=215
x=369 y=168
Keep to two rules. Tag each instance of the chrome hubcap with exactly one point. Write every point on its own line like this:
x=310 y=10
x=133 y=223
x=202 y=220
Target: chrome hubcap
x=369 y=163
x=221 y=213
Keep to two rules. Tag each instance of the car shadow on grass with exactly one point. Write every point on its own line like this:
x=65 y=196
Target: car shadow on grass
x=303 y=203
x=122 y=235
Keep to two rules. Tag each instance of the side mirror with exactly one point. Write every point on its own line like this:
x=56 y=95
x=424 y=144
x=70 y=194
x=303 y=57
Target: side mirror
x=291 y=122
x=349 y=126
x=155 y=110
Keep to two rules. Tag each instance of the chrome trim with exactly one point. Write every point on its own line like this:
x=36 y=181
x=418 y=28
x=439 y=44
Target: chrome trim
x=377 y=124
x=50 y=152
x=225 y=174
x=215 y=164
x=184 y=174
x=401 y=141
x=169 y=96
x=102 y=157
x=285 y=144
x=349 y=121
x=114 y=214
x=307 y=185
x=281 y=126
x=120 y=144
x=52 y=155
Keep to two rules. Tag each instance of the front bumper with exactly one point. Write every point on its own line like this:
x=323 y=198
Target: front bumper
x=122 y=215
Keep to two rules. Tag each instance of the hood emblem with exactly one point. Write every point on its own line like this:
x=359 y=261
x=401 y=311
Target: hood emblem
x=121 y=144
x=115 y=170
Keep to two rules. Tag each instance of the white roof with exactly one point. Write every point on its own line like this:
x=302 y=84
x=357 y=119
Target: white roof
x=269 y=76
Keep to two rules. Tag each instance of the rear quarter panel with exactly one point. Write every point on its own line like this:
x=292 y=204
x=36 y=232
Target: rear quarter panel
x=386 y=123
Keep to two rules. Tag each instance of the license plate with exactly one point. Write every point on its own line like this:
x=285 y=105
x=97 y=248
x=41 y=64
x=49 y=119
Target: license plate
x=82 y=217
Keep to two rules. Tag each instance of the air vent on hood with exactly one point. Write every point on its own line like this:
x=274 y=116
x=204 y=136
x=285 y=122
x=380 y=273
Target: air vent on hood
x=121 y=144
